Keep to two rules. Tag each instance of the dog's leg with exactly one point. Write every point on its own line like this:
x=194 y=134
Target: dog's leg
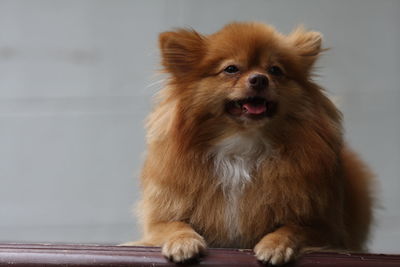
x=283 y=245
x=178 y=240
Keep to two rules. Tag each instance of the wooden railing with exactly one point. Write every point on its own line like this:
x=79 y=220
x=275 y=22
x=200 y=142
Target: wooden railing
x=91 y=255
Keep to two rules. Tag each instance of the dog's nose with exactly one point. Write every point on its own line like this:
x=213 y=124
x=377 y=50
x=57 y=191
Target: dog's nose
x=258 y=82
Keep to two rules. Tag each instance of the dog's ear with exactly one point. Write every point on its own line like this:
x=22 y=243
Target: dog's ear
x=181 y=50
x=307 y=45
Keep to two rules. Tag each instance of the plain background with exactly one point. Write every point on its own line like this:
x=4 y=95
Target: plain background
x=76 y=82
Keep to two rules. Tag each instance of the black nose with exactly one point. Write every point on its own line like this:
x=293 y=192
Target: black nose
x=258 y=82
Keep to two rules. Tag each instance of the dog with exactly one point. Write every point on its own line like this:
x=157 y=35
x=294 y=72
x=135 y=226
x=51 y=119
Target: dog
x=244 y=150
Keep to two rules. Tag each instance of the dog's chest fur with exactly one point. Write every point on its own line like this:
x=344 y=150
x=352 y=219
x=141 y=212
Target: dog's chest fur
x=236 y=160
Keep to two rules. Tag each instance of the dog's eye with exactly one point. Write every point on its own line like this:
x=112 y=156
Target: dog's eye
x=231 y=69
x=275 y=70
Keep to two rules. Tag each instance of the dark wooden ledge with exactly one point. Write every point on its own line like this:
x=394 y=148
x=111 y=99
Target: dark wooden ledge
x=84 y=255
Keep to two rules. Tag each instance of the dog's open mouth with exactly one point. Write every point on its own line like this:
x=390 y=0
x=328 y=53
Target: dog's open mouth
x=251 y=107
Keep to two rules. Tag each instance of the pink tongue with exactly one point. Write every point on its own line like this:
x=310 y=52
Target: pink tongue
x=254 y=109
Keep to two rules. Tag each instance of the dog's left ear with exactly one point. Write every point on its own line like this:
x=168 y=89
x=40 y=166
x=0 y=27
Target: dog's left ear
x=181 y=51
x=307 y=45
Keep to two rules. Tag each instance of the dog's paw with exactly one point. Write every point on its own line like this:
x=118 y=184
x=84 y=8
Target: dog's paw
x=184 y=247
x=275 y=251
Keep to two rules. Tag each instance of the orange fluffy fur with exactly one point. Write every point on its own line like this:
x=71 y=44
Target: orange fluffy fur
x=278 y=184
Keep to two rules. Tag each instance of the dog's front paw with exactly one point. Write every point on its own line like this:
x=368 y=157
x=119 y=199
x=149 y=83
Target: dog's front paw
x=275 y=250
x=184 y=247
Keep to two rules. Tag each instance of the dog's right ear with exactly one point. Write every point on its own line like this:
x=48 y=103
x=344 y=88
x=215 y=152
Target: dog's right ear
x=181 y=50
x=307 y=44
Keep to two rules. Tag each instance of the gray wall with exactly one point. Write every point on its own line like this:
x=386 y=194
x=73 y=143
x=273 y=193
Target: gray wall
x=76 y=80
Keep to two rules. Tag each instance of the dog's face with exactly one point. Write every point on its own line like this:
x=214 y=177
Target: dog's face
x=246 y=74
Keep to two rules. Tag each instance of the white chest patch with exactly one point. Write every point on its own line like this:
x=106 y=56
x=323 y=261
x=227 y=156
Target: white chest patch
x=236 y=158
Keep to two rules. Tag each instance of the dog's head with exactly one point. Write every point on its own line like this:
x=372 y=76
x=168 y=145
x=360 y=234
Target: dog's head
x=245 y=74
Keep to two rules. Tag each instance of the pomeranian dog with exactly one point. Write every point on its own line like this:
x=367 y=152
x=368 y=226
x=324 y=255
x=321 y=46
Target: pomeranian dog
x=246 y=151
